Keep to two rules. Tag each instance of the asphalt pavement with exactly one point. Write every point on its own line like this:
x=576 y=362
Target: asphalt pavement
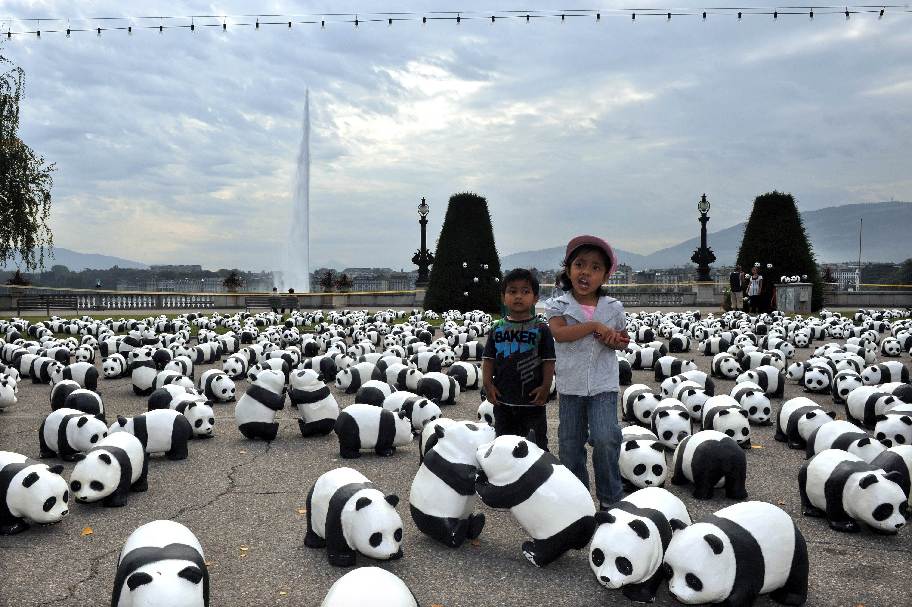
x=245 y=502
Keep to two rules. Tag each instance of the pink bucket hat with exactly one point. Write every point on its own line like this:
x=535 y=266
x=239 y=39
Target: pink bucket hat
x=598 y=243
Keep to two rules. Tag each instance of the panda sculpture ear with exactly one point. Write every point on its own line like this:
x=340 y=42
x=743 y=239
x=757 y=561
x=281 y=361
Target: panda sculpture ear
x=864 y=442
x=832 y=414
x=30 y=479
x=56 y=469
x=714 y=542
x=392 y=500
x=521 y=449
x=640 y=528
x=663 y=414
x=439 y=432
x=363 y=502
x=867 y=481
x=82 y=422
x=658 y=447
x=896 y=476
x=677 y=524
x=138 y=579
x=105 y=458
x=724 y=412
x=743 y=412
x=630 y=445
x=603 y=517
x=906 y=420
x=880 y=418
x=78 y=457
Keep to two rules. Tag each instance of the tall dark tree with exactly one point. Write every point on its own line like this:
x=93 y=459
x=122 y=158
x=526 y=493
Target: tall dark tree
x=327 y=281
x=466 y=272
x=775 y=235
x=25 y=183
x=233 y=282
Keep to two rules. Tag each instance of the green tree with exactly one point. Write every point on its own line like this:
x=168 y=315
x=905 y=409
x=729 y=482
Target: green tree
x=25 y=183
x=233 y=282
x=327 y=281
x=903 y=275
x=466 y=271
x=343 y=283
x=775 y=235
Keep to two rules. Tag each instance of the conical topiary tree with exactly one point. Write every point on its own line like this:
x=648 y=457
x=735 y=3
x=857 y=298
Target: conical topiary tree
x=775 y=235
x=466 y=272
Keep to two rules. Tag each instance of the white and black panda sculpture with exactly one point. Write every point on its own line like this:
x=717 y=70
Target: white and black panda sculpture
x=60 y=391
x=350 y=379
x=736 y=554
x=885 y=372
x=83 y=373
x=373 y=392
x=316 y=405
x=768 y=377
x=671 y=423
x=66 y=432
x=797 y=419
x=724 y=414
x=85 y=401
x=216 y=386
x=865 y=404
x=666 y=366
x=30 y=493
x=895 y=426
x=256 y=410
x=486 y=412
x=160 y=431
x=442 y=496
x=898 y=459
x=547 y=500
x=8 y=396
x=725 y=366
x=419 y=410
x=361 y=426
x=347 y=515
x=115 y=466
x=639 y=403
x=114 y=366
x=235 y=366
x=161 y=563
x=844 y=436
x=642 y=458
x=438 y=387
x=466 y=374
x=711 y=459
x=363 y=586
x=845 y=490
x=630 y=541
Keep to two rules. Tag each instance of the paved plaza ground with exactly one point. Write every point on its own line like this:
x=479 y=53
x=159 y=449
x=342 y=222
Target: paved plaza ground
x=245 y=502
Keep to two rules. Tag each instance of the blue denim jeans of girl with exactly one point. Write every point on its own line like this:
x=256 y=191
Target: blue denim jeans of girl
x=592 y=419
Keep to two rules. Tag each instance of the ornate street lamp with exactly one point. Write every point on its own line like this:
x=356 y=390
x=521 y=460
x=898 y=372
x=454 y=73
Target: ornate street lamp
x=423 y=258
x=704 y=255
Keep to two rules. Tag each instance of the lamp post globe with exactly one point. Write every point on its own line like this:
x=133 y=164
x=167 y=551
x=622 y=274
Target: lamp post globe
x=704 y=255
x=423 y=208
x=703 y=205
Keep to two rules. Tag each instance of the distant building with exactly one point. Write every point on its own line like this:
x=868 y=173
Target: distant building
x=187 y=269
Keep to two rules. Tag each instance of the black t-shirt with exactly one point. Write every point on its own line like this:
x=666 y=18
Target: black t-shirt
x=518 y=348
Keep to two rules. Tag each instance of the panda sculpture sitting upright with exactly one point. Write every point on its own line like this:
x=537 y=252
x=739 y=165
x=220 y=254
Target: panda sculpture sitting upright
x=161 y=563
x=737 y=554
x=30 y=493
x=630 y=541
x=347 y=515
x=442 y=495
x=317 y=407
x=256 y=410
x=549 y=502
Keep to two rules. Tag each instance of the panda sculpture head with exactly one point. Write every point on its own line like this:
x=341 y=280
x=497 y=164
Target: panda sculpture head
x=728 y=367
x=701 y=548
x=694 y=399
x=459 y=441
x=812 y=420
x=39 y=494
x=422 y=412
x=644 y=404
x=113 y=366
x=486 y=412
x=222 y=388
x=201 y=418
x=642 y=463
x=878 y=501
x=733 y=421
x=866 y=448
x=817 y=379
x=95 y=476
x=625 y=549
x=671 y=422
x=7 y=392
x=87 y=431
x=757 y=405
x=894 y=429
x=372 y=526
x=844 y=383
x=507 y=457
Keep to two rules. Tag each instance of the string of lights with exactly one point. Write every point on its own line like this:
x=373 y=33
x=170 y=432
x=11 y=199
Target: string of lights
x=37 y=26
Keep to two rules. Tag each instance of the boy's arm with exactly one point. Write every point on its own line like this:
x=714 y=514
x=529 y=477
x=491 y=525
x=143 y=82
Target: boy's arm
x=487 y=380
x=540 y=394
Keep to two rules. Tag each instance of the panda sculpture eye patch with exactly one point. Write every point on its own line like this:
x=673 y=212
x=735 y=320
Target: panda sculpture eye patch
x=624 y=566
x=96 y=486
x=598 y=557
x=882 y=512
x=49 y=503
x=75 y=485
x=192 y=574
x=376 y=539
x=639 y=469
x=693 y=582
x=657 y=469
x=138 y=579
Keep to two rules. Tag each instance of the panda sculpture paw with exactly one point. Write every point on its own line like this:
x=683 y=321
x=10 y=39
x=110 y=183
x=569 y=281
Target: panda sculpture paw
x=476 y=525
x=345 y=454
x=312 y=540
x=140 y=486
x=845 y=526
x=385 y=452
x=13 y=528
x=342 y=560
x=793 y=444
x=528 y=550
x=813 y=511
x=783 y=597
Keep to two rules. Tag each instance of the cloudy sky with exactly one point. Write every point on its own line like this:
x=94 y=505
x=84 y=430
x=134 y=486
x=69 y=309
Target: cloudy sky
x=180 y=147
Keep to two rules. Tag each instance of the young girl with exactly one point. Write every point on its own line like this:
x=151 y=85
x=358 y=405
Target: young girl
x=754 y=288
x=587 y=326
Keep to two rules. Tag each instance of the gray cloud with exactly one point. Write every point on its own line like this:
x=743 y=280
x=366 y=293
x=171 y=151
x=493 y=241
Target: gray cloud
x=181 y=147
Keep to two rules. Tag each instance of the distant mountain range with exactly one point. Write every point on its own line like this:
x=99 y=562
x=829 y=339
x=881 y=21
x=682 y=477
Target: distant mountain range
x=833 y=232
x=76 y=261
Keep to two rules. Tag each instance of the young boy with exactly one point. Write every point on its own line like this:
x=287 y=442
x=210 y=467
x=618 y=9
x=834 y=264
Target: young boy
x=518 y=362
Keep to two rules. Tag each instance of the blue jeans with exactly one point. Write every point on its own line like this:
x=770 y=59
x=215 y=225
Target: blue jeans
x=594 y=419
